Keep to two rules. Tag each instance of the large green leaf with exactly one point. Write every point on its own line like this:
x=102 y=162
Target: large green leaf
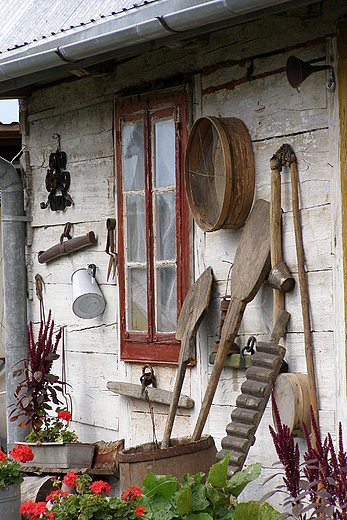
x=198 y=516
x=159 y=507
x=241 y=478
x=199 y=501
x=218 y=472
x=254 y=511
x=184 y=501
x=216 y=498
x=164 y=485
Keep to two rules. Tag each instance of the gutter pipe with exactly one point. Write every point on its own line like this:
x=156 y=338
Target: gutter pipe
x=120 y=32
x=15 y=290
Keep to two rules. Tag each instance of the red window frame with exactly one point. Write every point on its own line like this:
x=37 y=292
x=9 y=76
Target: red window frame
x=153 y=346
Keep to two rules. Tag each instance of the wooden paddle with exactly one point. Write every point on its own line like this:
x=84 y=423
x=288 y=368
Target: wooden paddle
x=251 y=266
x=194 y=305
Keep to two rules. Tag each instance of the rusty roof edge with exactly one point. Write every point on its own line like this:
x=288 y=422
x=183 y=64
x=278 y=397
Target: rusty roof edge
x=152 y=22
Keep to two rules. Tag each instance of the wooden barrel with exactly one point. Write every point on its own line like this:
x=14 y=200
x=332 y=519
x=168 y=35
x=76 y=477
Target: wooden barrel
x=183 y=456
x=291 y=392
x=36 y=488
x=219 y=173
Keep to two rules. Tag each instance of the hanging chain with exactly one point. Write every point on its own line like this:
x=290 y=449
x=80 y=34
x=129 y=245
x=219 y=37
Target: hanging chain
x=148 y=378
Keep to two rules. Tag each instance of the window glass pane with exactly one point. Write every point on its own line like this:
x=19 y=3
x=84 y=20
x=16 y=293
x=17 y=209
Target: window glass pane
x=166 y=299
x=166 y=226
x=137 y=299
x=133 y=156
x=136 y=228
x=164 y=153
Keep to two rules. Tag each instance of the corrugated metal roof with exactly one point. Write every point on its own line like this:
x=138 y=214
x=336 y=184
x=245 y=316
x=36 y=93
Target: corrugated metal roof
x=26 y=21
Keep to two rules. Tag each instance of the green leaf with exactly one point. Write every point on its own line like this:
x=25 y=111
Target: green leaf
x=241 y=478
x=198 y=477
x=199 y=501
x=164 y=485
x=254 y=511
x=224 y=514
x=216 y=498
x=159 y=507
x=218 y=472
x=184 y=501
x=198 y=516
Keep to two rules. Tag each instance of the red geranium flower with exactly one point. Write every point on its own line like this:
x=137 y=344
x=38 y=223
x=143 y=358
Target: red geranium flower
x=55 y=496
x=139 y=510
x=65 y=415
x=136 y=492
x=22 y=452
x=70 y=479
x=132 y=493
x=33 y=508
x=2 y=456
x=99 y=486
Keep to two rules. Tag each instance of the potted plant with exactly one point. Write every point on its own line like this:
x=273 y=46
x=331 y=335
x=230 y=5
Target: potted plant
x=35 y=394
x=317 y=487
x=87 y=500
x=161 y=497
x=11 y=478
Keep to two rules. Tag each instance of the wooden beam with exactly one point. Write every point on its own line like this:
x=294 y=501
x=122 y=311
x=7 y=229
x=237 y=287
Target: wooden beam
x=342 y=96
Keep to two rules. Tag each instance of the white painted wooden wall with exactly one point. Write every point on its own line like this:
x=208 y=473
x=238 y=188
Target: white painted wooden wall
x=82 y=113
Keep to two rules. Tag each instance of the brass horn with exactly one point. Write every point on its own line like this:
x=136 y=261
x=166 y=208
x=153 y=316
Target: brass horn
x=298 y=70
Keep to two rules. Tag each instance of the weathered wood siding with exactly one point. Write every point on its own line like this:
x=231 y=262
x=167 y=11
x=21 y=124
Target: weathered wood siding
x=240 y=72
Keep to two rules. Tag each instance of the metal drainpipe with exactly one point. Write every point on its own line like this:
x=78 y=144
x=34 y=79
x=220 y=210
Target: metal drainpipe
x=15 y=290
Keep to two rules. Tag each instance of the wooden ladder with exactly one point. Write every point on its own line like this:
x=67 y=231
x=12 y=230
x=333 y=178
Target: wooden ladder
x=255 y=393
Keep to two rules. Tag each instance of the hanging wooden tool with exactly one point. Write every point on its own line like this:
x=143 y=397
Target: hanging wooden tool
x=156 y=395
x=111 y=247
x=193 y=308
x=255 y=393
x=305 y=305
x=251 y=266
x=280 y=278
x=68 y=246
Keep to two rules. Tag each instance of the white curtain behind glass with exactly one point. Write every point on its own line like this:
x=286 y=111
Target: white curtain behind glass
x=135 y=220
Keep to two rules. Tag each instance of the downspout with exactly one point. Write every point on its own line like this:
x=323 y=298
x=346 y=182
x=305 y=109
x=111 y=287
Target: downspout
x=15 y=291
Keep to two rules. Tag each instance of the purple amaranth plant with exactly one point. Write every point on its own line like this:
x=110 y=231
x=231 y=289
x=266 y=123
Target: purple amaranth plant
x=323 y=493
x=287 y=452
x=39 y=386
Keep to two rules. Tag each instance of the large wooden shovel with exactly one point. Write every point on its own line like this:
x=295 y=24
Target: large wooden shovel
x=251 y=266
x=194 y=305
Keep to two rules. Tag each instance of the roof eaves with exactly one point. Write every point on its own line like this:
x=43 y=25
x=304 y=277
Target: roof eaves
x=155 y=22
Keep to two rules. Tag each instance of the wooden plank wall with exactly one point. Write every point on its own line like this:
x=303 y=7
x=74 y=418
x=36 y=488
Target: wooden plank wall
x=237 y=72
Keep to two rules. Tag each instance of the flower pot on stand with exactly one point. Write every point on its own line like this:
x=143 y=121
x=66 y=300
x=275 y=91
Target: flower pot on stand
x=10 y=502
x=55 y=455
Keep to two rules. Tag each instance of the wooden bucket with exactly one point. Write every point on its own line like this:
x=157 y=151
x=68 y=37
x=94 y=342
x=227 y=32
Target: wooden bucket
x=219 y=173
x=292 y=396
x=183 y=456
